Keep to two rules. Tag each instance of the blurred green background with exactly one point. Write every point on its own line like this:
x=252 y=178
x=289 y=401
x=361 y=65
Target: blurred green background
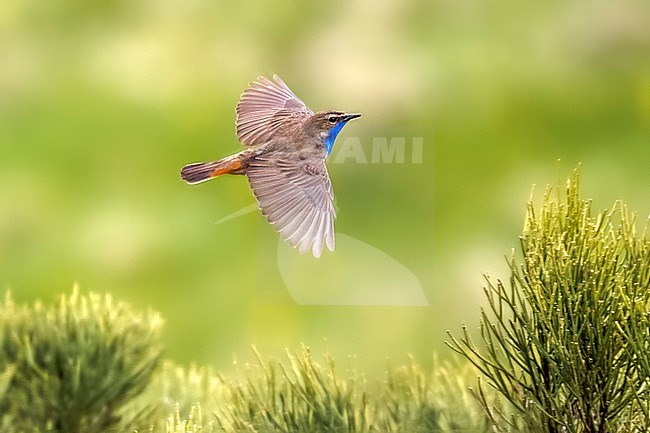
x=101 y=103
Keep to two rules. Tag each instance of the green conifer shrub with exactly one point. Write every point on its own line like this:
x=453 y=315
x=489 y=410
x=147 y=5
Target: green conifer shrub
x=75 y=366
x=565 y=342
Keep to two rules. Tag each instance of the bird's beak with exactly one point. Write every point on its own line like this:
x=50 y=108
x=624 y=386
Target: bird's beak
x=350 y=117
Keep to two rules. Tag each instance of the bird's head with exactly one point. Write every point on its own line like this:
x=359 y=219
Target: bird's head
x=328 y=124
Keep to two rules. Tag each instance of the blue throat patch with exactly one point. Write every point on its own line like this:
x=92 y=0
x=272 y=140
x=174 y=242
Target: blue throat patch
x=329 y=140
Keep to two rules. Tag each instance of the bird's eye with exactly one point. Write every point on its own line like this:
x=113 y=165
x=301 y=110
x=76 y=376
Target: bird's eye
x=331 y=119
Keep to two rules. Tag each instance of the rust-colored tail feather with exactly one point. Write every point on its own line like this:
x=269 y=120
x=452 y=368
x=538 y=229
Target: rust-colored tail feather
x=202 y=171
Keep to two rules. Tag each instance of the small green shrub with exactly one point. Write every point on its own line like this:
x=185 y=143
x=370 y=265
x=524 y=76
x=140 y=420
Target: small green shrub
x=565 y=343
x=75 y=366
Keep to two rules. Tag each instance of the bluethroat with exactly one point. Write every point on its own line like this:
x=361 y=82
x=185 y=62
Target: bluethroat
x=287 y=144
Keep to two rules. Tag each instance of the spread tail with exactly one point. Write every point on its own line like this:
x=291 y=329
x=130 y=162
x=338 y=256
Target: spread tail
x=202 y=171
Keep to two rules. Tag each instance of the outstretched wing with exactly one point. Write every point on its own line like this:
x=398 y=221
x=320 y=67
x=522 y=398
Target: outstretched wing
x=263 y=108
x=296 y=197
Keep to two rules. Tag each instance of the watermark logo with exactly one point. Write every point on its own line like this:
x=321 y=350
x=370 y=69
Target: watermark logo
x=384 y=150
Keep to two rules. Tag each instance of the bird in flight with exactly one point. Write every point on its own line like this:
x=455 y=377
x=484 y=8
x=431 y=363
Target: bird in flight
x=284 y=160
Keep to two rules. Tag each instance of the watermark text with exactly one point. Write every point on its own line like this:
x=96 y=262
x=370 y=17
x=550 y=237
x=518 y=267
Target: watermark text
x=383 y=150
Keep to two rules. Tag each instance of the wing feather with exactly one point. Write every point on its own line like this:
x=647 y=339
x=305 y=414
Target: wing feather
x=297 y=199
x=263 y=108
x=315 y=233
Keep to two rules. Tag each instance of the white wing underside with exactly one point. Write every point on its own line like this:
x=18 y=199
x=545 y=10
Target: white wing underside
x=297 y=199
